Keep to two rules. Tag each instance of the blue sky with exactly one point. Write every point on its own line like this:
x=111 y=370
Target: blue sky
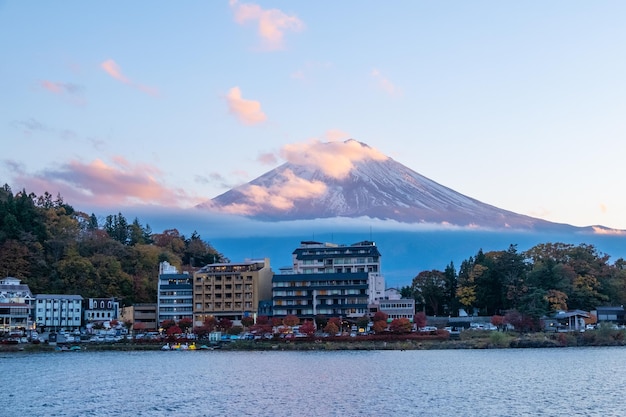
x=120 y=104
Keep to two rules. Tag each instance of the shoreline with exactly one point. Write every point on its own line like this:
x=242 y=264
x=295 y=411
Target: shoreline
x=467 y=340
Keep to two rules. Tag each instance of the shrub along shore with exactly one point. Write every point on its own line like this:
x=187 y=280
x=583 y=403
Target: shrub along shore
x=441 y=340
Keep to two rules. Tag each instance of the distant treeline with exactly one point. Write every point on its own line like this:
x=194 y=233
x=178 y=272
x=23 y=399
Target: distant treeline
x=56 y=249
x=528 y=285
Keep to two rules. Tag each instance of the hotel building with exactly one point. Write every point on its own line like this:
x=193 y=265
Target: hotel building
x=329 y=279
x=231 y=290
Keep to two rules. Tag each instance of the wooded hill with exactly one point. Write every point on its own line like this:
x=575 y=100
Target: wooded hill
x=527 y=285
x=56 y=249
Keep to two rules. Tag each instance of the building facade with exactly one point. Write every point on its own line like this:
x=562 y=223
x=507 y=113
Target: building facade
x=101 y=309
x=329 y=279
x=16 y=303
x=403 y=308
x=231 y=290
x=175 y=294
x=145 y=317
x=58 y=311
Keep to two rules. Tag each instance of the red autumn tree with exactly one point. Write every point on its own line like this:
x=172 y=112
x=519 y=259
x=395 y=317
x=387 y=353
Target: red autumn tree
x=225 y=324
x=166 y=324
x=307 y=328
x=185 y=324
x=380 y=316
x=247 y=321
x=420 y=319
x=379 y=326
x=497 y=321
x=174 y=330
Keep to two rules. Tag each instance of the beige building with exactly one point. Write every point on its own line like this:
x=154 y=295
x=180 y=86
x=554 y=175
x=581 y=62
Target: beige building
x=231 y=290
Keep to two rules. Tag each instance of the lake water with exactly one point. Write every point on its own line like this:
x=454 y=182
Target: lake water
x=508 y=382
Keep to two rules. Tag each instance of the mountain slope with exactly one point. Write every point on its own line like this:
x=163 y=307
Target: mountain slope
x=374 y=187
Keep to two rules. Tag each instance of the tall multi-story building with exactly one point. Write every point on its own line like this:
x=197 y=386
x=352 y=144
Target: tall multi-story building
x=329 y=279
x=56 y=311
x=174 y=300
x=16 y=303
x=231 y=290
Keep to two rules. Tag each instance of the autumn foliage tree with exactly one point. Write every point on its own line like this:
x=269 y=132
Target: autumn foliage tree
x=420 y=319
x=224 y=324
x=400 y=325
x=380 y=316
x=379 y=326
x=247 y=321
x=307 y=328
x=173 y=330
x=185 y=323
x=331 y=328
x=291 y=320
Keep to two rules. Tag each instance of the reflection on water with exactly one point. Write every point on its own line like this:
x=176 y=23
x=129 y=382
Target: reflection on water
x=511 y=382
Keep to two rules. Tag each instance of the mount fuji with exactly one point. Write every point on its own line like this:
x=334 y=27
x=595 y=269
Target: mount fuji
x=349 y=179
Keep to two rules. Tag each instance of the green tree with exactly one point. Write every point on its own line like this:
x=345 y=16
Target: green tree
x=429 y=289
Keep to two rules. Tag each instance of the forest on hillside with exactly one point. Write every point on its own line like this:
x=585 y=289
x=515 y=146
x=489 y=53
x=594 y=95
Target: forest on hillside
x=526 y=285
x=56 y=249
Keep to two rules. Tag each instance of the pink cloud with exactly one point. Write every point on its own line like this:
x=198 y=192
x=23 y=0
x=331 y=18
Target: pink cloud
x=334 y=135
x=53 y=87
x=384 y=84
x=247 y=111
x=267 y=159
x=605 y=231
x=335 y=159
x=110 y=67
x=281 y=195
x=107 y=185
x=72 y=92
x=272 y=23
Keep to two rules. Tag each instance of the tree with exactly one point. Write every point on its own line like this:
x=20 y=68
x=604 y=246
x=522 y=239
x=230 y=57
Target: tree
x=331 y=328
x=400 y=325
x=208 y=325
x=185 y=323
x=166 y=324
x=173 y=330
x=307 y=328
x=363 y=321
x=420 y=320
x=451 y=283
x=247 y=321
x=291 y=320
x=429 y=289
x=321 y=321
x=380 y=316
x=225 y=324
x=497 y=321
x=379 y=326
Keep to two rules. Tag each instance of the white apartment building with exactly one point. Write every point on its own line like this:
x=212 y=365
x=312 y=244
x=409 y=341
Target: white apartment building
x=56 y=311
